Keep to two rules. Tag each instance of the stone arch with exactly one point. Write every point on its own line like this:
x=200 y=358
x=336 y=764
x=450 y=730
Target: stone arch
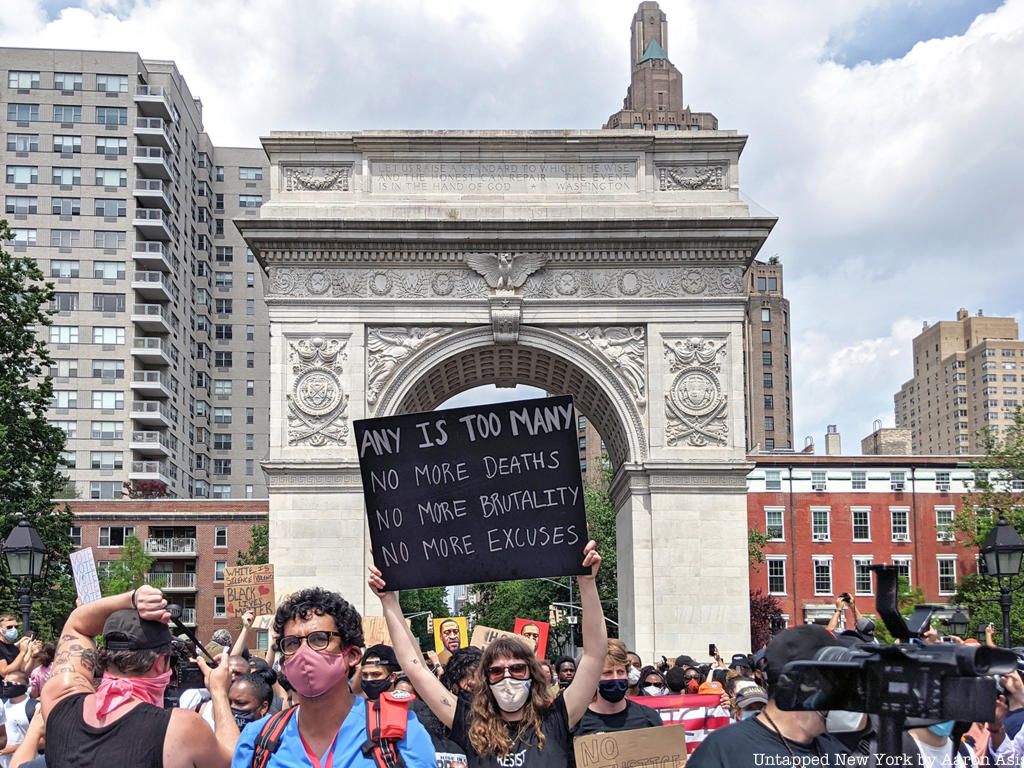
x=541 y=358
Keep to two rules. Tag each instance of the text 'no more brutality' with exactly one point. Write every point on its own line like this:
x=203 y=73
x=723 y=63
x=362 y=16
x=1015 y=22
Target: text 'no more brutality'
x=469 y=495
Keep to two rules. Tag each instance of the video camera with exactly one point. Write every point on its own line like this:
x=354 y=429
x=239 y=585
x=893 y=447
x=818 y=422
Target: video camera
x=933 y=682
x=185 y=673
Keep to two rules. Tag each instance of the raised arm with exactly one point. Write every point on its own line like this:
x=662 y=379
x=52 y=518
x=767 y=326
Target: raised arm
x=436 y=696
x=75 y=659
x=837 y=615
x=243 y=636
x=581 y=690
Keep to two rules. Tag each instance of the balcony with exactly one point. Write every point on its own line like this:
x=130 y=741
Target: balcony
x=151 y=223
x=151 y=350
x=152 y=383
x=153 y=192
x=188 y=616
x=171 y=547
x=155 y=318
x=152 y=131
x=150 y=470
x=172 y=582
x=153 y=162
x=151 y=413
x=153 y=255
x=154 y=286
x=152 y=101
x=151 y=443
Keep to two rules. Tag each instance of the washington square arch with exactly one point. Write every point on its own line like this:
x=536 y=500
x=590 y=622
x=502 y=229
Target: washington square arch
x=403 y=267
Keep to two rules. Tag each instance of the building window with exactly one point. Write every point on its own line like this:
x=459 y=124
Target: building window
x=108 y=401
x=112 y=83
x=250 y=174
x=23 y=113
x=22 y=142
x=114 y=535
x=108 y=369
x=221 y=442
x=106 y=460
x=22 y=80
x=65 y=302
x=63 y=334
x=773 y=480
x=67 y=81
x=75 y=534
x=222 y=387
x=947 y=574
x=112 y=209
x=250 y=387
x=220 y=536
x=859 y=480
x=823 y=575
x=64 y=238
x=944 y=524
x=64 y=399
x=942 y=482
x=64 y=369
x=222 y=359
x=21 y=205
x=24 y=237
x=820 y=528
x=223 y=254
x=862 y=576
x=250 y=279
x=106 y=430
x=773 y=524
x=902 y=565
x=769 y=443
x=223 y=279
x=72 y=144
x=111 y=177
x=107 y=336
x=220 y=492
x=221 y=415
x=111 y=146
x=897 y=481
x=250 y=307
x=776 y=575
x=250 y=201
x=218 y=173
x=900 y=523
x=766 y=358
x=250 y=491
x=766 y=336
x=769 y=402
x=250 y=467
x=105 y=489
x=768 y=381
x=65 y=206
x=222 y=332
x=218 y=569
x=22 y=174
x=67 y=177
x=219 y=611
x=818 y=480
x=766 y=315
x=250 y=415
x=861 y=523
x=112 y=115
x=63 y=113
x=69 y=428
x=769 y=423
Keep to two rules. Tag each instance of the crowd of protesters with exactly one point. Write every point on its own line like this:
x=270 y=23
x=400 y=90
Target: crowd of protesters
x=319 y=698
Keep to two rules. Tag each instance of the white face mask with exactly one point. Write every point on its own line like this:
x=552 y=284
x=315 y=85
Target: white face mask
x=841 y=721
x=633 y=675
x=655 y=690
x=511 y=694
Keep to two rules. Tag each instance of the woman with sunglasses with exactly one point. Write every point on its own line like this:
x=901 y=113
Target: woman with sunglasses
x=511 y=719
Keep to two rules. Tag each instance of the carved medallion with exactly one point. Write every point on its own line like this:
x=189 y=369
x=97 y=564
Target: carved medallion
x=380 y=283
x=317 y=403
x=567 y=283
x=697 y=408
x=318 y=282
x=442 y=283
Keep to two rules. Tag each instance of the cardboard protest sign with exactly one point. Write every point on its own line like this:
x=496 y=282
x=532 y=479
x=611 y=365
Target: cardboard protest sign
x=698 y=713
x=450 y=634
x=470 y=495
x=663 y=747
x=375 y=631
x=535 y=633
x=484 y=636
x=249 y=588
x=87 y=582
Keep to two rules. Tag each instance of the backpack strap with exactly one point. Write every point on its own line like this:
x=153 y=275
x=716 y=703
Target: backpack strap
x=386 y=723
x=30 y=708
x=269 y=738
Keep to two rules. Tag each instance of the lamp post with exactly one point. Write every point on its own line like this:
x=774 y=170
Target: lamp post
x=958 y=623
x=25 y=554
x=1001 y=556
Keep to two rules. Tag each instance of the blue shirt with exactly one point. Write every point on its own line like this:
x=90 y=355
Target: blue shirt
x=416 y=747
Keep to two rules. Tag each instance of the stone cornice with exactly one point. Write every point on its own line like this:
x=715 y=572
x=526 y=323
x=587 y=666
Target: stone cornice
x=308 y=476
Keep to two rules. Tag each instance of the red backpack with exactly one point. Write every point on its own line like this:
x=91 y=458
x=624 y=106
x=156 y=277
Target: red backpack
x=386 y=721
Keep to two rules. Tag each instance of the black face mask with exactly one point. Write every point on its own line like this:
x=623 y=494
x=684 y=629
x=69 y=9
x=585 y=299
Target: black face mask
x=13 y=691
x=242 y=718
x=466 y=696
x=374 y=688
x=613 y=691
x=563 y=684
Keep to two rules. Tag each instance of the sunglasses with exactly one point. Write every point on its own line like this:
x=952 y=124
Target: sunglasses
x=317 y=641
x=519 y=670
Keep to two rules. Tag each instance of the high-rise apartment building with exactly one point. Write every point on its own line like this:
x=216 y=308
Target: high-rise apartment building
x=654 y=99
x=967 y=379
x=767 y=367
x=160 y=337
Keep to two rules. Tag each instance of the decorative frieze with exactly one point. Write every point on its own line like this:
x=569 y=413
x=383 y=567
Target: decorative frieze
x=624 y=350
x=672 y=178
x=696 y=404
x=387 y=347
x=334 y=178
x=317 y=402
x=668 y=282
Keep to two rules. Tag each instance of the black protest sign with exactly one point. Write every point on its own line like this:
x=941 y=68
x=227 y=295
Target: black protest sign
x=469 y=495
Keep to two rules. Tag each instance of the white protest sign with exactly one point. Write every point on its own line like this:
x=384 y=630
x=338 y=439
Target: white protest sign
x=87 y=583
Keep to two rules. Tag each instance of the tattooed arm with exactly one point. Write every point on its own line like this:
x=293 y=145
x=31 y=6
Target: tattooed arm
x=74 y=662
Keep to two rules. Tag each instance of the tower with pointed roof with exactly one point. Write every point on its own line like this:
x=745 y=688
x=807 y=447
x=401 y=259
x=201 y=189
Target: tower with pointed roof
x=654 y=99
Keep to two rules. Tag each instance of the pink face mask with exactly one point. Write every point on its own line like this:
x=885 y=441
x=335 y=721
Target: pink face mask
x=313 y=673
x=114 y=692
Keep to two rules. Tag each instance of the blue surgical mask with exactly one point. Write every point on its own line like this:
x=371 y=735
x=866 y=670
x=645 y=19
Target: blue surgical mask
x=10 y=635
x=945 y=729
x=746 y=714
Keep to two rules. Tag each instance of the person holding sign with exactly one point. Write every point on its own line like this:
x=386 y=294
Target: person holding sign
x=510 y=720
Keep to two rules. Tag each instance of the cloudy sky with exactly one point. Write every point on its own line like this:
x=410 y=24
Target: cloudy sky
x=886 y=135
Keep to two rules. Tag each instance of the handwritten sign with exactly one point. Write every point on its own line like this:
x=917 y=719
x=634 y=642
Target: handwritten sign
x=470 y=495
x=249 y=588
x=87 y=582
x=663 y=747
x=484 y=636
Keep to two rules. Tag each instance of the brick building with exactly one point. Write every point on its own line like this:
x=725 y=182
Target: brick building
x=828 y=517
x=192 y=541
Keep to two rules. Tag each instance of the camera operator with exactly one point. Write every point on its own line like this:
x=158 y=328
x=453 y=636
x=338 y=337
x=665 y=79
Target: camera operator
x=787 y=737
x=122 y=722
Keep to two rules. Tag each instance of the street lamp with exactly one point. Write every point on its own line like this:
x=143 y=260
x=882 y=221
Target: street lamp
x=958 y=623
x=1001 y=555
x=25 y=554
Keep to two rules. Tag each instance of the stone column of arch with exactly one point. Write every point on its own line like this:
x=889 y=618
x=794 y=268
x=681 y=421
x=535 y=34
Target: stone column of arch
x=402 y=268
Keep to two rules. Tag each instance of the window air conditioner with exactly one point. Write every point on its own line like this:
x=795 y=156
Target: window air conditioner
x=942 y=487
x=818 y=486
x=897 y=486
x=819 y=537
x=901 y=537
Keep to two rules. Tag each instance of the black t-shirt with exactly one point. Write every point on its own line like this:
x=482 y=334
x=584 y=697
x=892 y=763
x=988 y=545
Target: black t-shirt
x=525 y=753
x=633 y=716
x=8 y=651
x=748 y=742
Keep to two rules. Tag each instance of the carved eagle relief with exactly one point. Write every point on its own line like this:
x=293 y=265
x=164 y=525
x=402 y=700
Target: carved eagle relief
x=505 y=271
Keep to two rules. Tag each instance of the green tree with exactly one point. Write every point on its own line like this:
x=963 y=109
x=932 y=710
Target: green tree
x=129 y=571
x=258 y=552
x=756 y=541
x=30 y=449
x=997 y=492
x=432 y=599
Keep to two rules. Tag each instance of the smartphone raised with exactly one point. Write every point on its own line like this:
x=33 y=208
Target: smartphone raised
x=712 y=650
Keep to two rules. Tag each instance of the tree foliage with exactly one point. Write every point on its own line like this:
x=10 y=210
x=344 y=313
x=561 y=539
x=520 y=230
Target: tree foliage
x=994 y=494
x=30 y=448
x=129 y=571
x=765 y=615
x=756 y=541
x=433 y=599
x=147 y=489
x=258 y=552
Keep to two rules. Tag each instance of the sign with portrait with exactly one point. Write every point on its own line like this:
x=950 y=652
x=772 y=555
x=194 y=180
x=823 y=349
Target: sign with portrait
x=535 y=633
x=450 y=634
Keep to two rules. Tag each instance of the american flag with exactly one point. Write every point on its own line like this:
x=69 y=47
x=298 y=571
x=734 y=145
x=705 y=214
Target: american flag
x=701 y=714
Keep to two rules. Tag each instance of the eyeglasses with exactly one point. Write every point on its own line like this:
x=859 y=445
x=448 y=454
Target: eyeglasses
x=520 y=670
x=317 y=641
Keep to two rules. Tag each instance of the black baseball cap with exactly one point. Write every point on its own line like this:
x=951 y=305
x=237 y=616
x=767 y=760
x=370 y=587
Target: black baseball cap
x=685 y=661
x=739 y=660
x=127 y=631
x=796 y=644
x=380 y=655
